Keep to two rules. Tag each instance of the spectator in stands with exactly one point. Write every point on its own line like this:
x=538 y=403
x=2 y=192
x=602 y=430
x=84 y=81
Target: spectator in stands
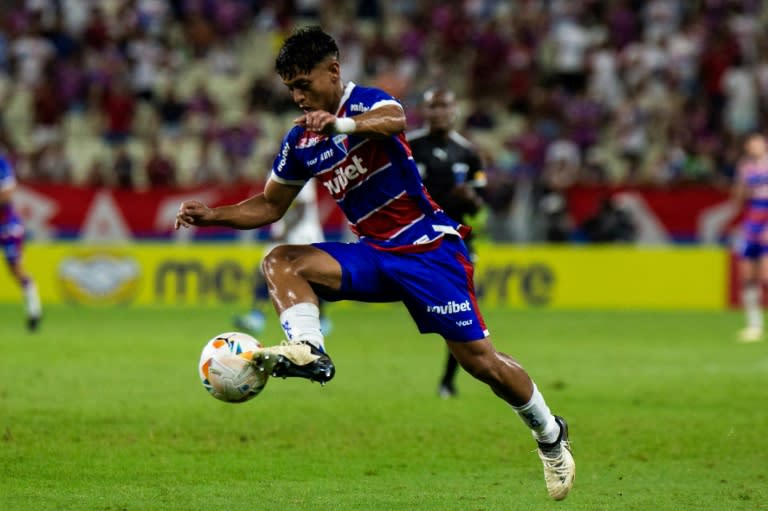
x=171 y=110
x=160 y=168
x=118 y=108
x=31 y=51
x=123 y=165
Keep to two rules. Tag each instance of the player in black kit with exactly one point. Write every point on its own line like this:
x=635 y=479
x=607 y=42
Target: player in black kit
x=452 y=172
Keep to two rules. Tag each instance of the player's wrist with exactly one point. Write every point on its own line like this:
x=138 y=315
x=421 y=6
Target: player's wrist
x=344 y=125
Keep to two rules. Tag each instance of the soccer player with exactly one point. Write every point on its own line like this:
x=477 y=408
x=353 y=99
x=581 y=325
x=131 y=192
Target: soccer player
x=751 y=187
x=351 y=138
x=299 y=226
x=452 y=172
x=12 y=241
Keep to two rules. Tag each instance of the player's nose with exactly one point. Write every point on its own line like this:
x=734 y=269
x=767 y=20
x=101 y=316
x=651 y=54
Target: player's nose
x=298 y=96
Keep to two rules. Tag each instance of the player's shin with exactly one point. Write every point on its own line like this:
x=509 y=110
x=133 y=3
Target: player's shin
x=537 y=416
x=750 y=296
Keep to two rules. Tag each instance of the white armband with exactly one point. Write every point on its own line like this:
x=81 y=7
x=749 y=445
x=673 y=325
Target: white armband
x=344 y=125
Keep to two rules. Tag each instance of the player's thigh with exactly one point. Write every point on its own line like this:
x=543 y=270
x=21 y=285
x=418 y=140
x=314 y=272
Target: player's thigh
x=307 y=261
x=362 y=278
x=759 y=267
x=438 y=290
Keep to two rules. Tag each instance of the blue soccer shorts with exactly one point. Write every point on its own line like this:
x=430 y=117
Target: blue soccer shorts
x=436 y=286
x=11 y=241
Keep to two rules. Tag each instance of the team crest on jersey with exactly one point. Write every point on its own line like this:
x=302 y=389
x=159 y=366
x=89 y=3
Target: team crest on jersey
x=342 y=142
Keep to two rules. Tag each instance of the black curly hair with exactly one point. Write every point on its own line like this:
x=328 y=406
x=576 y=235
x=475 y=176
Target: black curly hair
x=303 y=50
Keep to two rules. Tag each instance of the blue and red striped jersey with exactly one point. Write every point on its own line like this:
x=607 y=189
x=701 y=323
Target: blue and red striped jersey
x=374 y=181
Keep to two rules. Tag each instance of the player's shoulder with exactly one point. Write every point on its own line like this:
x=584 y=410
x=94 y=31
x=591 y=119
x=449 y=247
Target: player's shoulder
x=417 y=134
x=362 y=98
x=6 y=169
x=462 y=141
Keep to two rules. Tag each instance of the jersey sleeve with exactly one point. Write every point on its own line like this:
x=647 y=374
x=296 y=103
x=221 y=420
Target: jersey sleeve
x=7 y=177
x=476 y=174
x=288 y=169
x=370 y=99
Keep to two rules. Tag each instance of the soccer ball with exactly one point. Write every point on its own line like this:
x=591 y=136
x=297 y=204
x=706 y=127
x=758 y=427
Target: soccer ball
x=226 y=371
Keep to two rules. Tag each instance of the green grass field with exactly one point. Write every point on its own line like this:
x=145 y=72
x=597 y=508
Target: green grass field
x=103 y=410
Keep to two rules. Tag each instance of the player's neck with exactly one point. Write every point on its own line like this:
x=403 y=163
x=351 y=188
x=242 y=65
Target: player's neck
x=339 y=96
x=439 y=133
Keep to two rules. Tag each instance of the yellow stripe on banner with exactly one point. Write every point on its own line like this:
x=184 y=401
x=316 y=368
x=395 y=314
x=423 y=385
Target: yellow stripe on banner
x=610 y=277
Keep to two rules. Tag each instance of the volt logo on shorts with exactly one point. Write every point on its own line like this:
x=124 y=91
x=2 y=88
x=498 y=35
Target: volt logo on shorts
x=450 y=307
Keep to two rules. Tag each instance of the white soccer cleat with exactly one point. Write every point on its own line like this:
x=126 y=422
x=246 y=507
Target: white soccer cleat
x=559 y=466
x=295 y=360
x=751 y=334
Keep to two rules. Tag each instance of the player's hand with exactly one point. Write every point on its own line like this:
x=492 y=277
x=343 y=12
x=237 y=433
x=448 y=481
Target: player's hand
x=191 y=213
x=318 y=121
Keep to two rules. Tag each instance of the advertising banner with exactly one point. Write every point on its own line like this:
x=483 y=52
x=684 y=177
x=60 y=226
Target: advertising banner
x=661 y=215
x=224 y=273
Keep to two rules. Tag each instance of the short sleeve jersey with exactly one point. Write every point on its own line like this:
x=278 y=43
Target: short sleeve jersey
x=444 y=163
x=374 y=181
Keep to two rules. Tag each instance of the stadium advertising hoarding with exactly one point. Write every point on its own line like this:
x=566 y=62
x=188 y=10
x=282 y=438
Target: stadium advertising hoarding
x=537 y=276
x=683 y=214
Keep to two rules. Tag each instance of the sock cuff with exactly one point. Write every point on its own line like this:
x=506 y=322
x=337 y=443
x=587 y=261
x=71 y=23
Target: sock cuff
x=535 y=396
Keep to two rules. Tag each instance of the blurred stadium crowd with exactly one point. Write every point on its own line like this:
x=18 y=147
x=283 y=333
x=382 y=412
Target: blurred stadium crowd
x=142 y=93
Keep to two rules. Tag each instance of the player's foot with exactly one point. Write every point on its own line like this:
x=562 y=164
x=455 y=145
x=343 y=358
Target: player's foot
x=447 y=390
x=33 y=322
x=559 y=467
x=751 y=334
x=300 y=360
x=252 y=323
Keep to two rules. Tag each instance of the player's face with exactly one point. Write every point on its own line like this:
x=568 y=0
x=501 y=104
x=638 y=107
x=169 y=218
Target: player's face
x=320 y=89
x=440 y=111
x=756 y=146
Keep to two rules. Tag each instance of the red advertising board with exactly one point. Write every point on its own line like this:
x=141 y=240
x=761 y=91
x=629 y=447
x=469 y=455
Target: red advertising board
x=697 y=214
x=682 y=214
x=100 y=214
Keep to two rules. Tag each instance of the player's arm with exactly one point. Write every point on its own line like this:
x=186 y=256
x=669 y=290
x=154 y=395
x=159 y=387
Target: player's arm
x=261 y=209
x=381 y=122
x=468 y=195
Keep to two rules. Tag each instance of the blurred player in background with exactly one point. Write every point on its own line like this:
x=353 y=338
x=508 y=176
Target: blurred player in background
x=352 y=140
x=751 y=190
x=452 y=172
x=12 y=241
x=299 y=226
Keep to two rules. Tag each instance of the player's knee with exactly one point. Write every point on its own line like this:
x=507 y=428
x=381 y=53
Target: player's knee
x=283 y=259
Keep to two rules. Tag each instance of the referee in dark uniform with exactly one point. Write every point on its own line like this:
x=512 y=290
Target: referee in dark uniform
x=452 y=172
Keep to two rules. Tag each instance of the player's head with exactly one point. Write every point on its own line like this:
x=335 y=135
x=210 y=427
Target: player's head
x=756 y=146
x=308 y=63
x=439 y=109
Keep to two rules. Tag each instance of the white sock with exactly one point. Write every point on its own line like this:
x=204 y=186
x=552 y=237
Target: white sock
x=536 y=415
x=750 y=298
x=32 y=300
x=301 y=323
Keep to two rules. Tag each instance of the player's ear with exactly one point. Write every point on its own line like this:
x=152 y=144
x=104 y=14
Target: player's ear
x=334 y=68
